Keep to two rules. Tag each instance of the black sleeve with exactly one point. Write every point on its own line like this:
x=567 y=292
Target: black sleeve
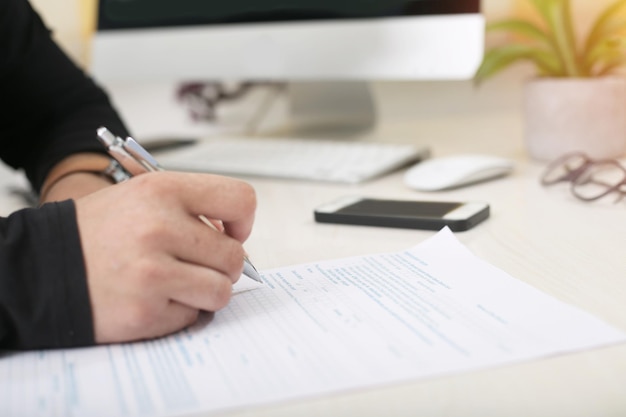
x=44 y=300
x=49 y=109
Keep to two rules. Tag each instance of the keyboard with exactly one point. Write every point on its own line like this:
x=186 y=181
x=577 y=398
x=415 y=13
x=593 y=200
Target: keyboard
x=338 y=161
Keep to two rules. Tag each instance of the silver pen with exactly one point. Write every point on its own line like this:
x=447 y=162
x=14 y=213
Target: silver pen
x=135 y=160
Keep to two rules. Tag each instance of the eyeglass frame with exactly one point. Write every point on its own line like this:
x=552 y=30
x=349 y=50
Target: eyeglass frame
x=573 y=175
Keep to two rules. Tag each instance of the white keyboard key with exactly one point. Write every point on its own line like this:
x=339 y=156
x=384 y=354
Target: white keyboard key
x=304 y=159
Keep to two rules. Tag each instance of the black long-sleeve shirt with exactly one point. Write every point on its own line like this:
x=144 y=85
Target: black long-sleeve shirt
x=49 y=109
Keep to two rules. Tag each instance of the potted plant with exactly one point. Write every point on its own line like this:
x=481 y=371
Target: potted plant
x=577 y=100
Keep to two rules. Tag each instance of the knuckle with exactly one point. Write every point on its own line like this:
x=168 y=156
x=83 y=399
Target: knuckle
x=233 y=261
x=248 y=197
x=144 y=183
x=149 y=233
x=154 y=184
x=190 y=316
x=141 y=315
x=146 y=274
x=221 y=292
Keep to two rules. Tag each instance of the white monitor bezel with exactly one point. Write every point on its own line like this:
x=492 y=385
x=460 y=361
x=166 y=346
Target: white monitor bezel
x=432 y=47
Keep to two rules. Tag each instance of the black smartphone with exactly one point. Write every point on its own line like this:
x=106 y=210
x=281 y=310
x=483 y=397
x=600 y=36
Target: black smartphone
x=429 y=215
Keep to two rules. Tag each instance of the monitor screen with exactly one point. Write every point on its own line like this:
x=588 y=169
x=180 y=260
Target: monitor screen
x=119 y=14
x=287 y=39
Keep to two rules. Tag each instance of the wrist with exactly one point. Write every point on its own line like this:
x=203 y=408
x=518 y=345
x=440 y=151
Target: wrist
x=75 y=185
x=82 y=171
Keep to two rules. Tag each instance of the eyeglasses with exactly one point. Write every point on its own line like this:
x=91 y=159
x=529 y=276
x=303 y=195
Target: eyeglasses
x=590 y=179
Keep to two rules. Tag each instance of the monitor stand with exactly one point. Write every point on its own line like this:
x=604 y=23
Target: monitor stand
x=330 y=109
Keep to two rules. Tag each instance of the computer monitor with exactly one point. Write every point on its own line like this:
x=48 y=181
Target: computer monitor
x=333 y=41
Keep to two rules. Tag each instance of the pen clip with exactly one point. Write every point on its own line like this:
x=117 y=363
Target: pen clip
x=116 y=148
x=141 y=155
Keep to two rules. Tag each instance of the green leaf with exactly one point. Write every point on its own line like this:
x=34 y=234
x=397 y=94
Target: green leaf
x=607 y=26
x=604 y=22
x=610 y=66
x=608 y=48
x=559 y=20
x=552 y=45
x=606 y=55
x=523 y=28
x=497 y=59
x=542 y=7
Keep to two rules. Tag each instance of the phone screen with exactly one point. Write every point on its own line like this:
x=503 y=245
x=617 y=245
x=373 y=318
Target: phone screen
x=400 y=208
x=431 y=215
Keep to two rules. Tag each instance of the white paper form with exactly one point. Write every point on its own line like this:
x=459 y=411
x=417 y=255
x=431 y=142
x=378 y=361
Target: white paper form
x=313 y=329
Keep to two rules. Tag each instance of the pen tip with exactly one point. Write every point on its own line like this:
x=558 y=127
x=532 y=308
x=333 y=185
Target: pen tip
x=250 y=271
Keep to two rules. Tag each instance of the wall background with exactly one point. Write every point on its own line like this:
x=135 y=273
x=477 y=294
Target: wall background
x=72 y=21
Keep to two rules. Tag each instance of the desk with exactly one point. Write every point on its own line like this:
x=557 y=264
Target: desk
x=571 y=250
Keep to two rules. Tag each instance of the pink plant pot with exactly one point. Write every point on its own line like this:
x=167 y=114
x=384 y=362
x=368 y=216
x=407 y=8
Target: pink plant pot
x=575 y=114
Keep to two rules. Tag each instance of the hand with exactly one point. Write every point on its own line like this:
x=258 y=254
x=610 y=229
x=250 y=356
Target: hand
x=152 y=265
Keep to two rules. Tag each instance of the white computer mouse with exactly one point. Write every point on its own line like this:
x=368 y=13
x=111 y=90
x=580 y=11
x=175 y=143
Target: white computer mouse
x=442 y=173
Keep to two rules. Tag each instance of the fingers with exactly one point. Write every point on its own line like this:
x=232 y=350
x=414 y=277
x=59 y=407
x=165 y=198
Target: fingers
x=169 y=299
x=173 y=317
x=227 y=199
x=216 y=223
x=146 y=323
x=218 y=252
x=192 y=241
x=156 y=298
x=177 y=316
x=151 y=263
x=197 y=287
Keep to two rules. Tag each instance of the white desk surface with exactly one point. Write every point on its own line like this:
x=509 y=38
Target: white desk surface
x=571 y=250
